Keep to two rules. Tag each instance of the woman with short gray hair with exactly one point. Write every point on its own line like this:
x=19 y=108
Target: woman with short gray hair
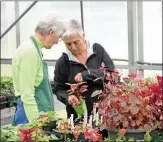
x=33 y=91
x=80 y=62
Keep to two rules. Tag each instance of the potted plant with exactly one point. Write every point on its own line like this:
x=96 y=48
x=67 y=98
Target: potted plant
x=92 y=134
x=64 y=127
x=7 y=91
x=77 y=90
x=134 y=105
x=33 y=131
x=9 y=133
x=3 y=99
x=41 y=135
x=50 y=120
x=78 y=133
x=54 y=136
x=26 y=135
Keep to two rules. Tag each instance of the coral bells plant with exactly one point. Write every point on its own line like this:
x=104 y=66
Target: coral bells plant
x=64 y=127
x=76 y=131
x=135 y=103
x=26 y=134
x=92 y=134
x=77 y=90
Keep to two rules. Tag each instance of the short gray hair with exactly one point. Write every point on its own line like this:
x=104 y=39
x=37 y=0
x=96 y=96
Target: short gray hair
x=50 y=22
x=72 y=27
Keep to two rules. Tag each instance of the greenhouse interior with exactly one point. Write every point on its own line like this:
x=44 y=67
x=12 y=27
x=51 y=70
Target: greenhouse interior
x=81 y=71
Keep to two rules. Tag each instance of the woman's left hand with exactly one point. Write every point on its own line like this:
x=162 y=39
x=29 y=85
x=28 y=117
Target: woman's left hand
x=78 y=78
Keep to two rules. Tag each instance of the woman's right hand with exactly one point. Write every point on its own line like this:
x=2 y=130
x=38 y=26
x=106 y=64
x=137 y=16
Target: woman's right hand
x=73 y=100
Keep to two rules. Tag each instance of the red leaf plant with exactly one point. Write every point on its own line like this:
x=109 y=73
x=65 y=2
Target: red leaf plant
x=92 y=134
x=64 y=127
x=76 y=131
x=25 y=135
x=135 y=103
x=77 y=90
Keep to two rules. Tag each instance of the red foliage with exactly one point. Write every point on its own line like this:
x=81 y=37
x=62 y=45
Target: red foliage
x=92 y=134
x=26 y=134
x=135 y=103
x=77 y=90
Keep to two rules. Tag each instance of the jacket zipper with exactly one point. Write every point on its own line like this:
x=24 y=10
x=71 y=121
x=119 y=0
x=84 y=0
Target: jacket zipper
x=85 y=63
x=87 y=69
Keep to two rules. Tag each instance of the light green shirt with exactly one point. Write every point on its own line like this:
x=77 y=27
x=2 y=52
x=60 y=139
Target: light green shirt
x=27 y=74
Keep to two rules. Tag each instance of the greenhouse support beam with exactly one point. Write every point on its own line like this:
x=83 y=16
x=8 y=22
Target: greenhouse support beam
x=13 y=24
x=132 y=33
x=82 y=15
x=140 y=33
x=18 y=24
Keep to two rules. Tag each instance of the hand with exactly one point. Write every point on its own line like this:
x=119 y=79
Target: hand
x=73 y=100
x=78 y=78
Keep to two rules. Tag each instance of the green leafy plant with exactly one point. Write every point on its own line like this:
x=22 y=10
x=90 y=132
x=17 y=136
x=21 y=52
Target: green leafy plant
x=9 y=133
x=46 y=138
x=7 y=91
x=49 y=120
x=7 y=86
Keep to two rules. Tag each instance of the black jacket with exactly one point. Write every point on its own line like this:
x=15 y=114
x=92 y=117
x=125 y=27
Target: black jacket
x=66 y=70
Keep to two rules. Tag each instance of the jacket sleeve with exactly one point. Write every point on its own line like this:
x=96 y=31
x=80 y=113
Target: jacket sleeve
x=60 y=80
x=92 y=74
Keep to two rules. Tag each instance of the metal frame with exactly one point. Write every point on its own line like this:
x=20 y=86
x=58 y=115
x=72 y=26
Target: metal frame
x=132 y=34
x=82 y=16
x=135 y=37
x=140 y=33
x=139 y=65
x=13 y=24
x=17 y=24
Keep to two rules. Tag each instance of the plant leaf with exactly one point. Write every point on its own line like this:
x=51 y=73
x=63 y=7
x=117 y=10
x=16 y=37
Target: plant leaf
x=134 y=109
x=133 y=100
x=147 y=127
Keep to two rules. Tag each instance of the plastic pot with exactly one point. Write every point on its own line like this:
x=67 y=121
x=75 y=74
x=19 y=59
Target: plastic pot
x=80 y=109
x=137 y=134
x=57 y=134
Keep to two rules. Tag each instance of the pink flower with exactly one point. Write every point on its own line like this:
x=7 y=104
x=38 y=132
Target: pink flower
x=97 y=105
x=139 y=76
x=160 y=78
x=102 y=68
x=92 y=134
x=132 y=76
x=122 y=131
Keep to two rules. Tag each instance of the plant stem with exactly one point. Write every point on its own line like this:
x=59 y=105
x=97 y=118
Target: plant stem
x=65 y=137
x=36 y=135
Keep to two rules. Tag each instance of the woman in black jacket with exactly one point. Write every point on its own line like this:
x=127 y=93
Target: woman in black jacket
x=81 y=62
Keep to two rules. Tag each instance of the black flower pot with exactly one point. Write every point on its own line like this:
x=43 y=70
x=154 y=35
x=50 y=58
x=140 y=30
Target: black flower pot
x=3 y=102
x=9 y=100
x=57 y=134
x=81 y=138
x=104 y=133
x=71 y=138
x=3 y=105
x=3 y=98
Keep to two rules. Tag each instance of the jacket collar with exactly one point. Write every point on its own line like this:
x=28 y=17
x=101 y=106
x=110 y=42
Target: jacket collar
x=89 y=52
